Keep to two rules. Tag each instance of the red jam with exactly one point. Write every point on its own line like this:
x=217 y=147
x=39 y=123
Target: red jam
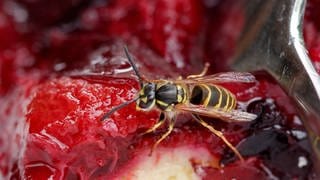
x=62 y=66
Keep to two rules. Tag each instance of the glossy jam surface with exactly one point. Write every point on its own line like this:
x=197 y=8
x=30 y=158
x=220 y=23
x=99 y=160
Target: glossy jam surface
x=62 y=68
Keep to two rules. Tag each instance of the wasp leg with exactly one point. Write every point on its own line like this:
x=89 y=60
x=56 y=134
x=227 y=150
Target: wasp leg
x=157 y=125
x=220 y=135
x=204 y=71
x=170 y=128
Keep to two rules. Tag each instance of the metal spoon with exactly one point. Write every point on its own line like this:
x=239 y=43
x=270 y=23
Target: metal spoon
x=272 y=41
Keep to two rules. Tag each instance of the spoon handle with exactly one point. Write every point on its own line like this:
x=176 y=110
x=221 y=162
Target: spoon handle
x=272 y=41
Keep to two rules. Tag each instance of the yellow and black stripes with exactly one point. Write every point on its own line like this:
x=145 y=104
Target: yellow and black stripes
x=181 y=94
x=213 y=96
x=166 y=95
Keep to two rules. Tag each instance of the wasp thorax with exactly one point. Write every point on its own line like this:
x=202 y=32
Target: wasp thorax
x=147 y=96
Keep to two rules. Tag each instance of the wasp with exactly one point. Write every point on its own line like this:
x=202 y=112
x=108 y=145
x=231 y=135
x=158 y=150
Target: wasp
x=198 y=94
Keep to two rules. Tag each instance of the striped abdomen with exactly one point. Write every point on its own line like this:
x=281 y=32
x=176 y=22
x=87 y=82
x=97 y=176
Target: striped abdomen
x=213 y=96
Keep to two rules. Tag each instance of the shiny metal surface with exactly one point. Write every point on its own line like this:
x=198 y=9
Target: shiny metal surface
x=272 y=41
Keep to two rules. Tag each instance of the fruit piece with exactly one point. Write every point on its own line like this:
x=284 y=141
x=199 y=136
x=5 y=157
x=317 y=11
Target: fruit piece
x=68 y=108
x=176 y=28
x=59 y=10
x=171 y=28
x=68 y=57
x=17 y=79
x=179 y=163
x=311 y=34
x=13 y=131
x=224 y=27
x=288 y=159
x=64 y=119
x=251 y=169
x=8 y=34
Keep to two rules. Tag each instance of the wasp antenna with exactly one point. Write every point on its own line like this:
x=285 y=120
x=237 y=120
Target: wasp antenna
x=106 y=116
x=135 y=69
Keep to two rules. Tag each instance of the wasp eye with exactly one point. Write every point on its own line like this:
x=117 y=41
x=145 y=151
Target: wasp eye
x=148 y=88
x=147 y=96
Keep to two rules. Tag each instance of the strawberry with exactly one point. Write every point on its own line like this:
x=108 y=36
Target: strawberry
x=71 y=69
x=64 y=120
x=311 y=32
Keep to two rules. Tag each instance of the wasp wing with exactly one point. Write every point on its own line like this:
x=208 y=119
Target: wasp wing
x=225 y=77
x=228 y=116
x=241 y=77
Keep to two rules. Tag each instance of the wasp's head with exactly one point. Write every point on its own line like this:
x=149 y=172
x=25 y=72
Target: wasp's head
x=147 y=96
x=145 y=100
